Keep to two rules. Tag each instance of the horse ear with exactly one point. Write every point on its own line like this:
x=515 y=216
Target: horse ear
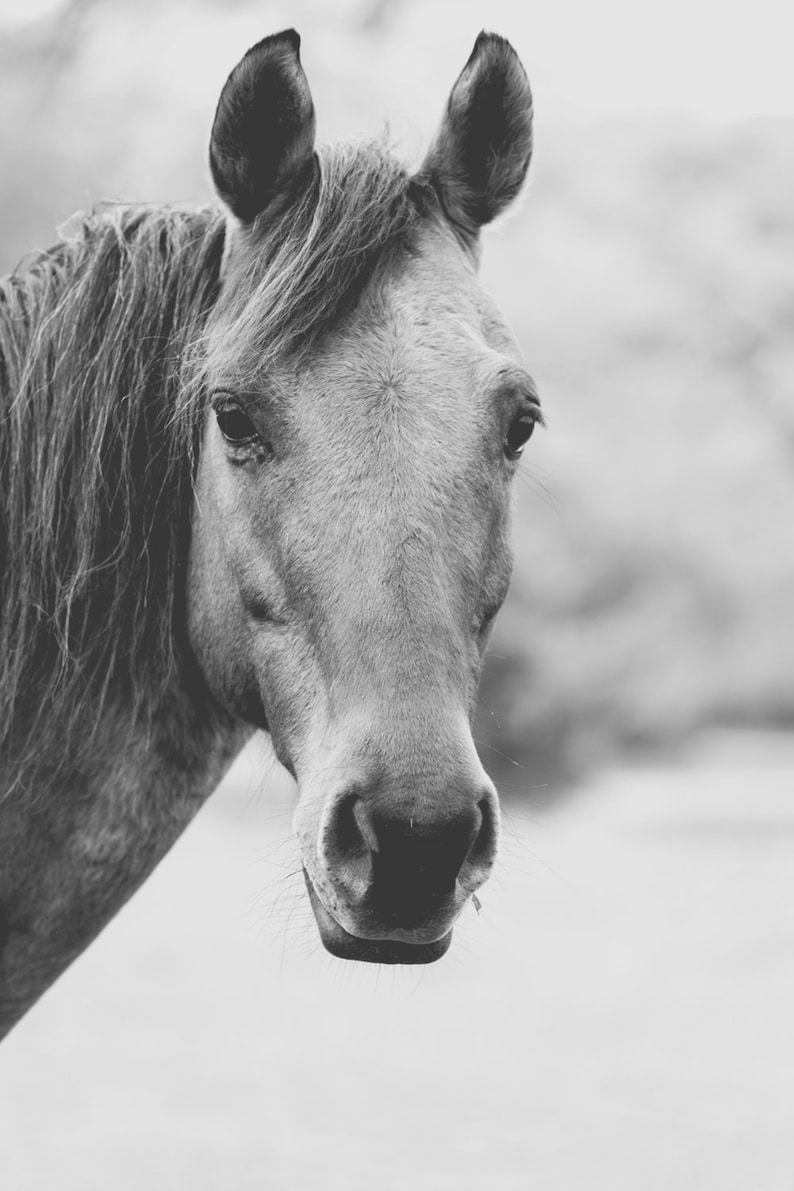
x=262 y=141
x=481 y=154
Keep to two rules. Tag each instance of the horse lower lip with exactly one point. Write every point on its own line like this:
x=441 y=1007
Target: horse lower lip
x=342 y=944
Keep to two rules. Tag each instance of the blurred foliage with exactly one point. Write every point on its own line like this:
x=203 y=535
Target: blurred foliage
x=648 y=277
x=655 y=572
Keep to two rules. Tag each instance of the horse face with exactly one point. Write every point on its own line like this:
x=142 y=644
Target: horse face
x=350 y=550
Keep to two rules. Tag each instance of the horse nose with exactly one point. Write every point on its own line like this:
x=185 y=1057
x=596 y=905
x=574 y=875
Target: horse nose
x=407 y=868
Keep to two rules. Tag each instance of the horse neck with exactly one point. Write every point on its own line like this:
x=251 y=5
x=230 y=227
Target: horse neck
x=109 y=741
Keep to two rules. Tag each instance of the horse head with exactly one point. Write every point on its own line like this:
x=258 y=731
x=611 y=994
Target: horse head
x=367 y=407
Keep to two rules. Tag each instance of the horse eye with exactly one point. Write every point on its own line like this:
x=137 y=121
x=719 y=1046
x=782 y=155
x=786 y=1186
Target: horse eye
x=235 y=426
x=519 y=434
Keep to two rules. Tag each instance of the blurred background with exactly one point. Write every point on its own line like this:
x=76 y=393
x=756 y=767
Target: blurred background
x=619 y=1015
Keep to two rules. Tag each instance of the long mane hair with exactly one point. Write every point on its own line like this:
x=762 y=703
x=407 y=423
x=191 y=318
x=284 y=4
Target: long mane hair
x=102 y=361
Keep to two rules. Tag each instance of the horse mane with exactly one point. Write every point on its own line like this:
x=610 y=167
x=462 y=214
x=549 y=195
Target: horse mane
x=92 y=336
x=103 y=357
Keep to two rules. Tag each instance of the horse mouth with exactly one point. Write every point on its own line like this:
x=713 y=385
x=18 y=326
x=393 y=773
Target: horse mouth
x=343 y=945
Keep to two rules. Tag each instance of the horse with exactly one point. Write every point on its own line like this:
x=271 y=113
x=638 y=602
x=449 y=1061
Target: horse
x=257 y=461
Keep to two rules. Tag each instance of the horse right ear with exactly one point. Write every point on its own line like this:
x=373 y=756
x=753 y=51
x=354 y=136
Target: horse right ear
x=262 y=142
x=481 y=153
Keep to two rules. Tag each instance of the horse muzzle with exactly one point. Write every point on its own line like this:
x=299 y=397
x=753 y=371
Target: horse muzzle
x=344 y=945
x=389 y=877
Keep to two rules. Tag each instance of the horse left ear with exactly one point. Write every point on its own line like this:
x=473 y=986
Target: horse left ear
x=481 y=154
x=262 y=142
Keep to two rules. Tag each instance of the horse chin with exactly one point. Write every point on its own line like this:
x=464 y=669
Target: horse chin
x=343 y=945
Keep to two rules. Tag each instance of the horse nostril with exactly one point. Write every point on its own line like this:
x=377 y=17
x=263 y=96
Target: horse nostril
x=419 y=860
x=485 y=843
x=365 y=825
x=480 y=858
x=401 y=866
x=348 y=843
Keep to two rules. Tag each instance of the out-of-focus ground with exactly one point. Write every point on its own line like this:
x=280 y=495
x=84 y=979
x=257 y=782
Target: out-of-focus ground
x=618 y=1016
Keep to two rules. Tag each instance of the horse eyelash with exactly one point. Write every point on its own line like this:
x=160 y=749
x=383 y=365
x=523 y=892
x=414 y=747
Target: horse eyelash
x=219 y=396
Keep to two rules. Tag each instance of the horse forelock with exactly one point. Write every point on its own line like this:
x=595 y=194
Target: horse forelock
x=292 y=278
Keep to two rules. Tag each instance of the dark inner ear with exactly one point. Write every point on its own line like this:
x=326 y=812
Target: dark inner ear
x=481 y=155
x=262 y=142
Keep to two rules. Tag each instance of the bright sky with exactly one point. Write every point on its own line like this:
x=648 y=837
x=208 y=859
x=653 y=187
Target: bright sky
x=18 y=12
x=719 y=59
x=710 y=58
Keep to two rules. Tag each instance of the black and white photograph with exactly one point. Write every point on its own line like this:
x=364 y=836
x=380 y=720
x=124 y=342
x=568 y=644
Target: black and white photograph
x=396 y=595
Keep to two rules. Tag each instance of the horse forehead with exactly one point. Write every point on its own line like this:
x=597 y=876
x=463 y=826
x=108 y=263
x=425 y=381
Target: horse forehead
x=437 y=291
x=428 y=328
